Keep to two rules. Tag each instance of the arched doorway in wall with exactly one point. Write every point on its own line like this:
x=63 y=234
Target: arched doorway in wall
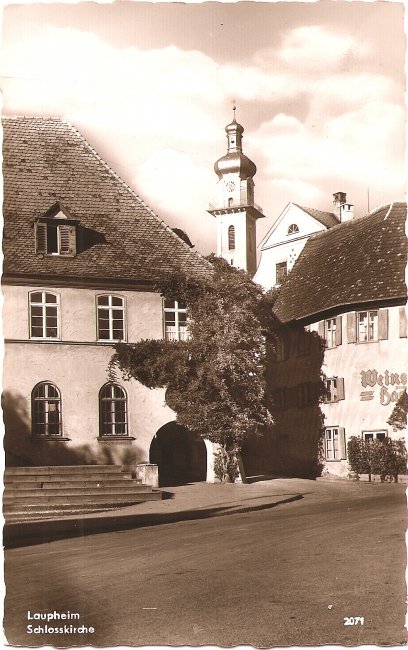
x=180 y=455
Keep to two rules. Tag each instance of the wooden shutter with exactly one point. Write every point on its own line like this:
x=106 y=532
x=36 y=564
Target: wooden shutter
x=382 y=324
x=351 y=327
x=338 y=330
x=340 y=388
x=342 y=443
x=41 y=238
x=320 y=328
x=285 y=345
x=67 y=240
x=294 y=343
x=402 y=323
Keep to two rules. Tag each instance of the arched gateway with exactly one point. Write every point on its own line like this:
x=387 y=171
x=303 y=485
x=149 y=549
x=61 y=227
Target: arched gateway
x=180 y=454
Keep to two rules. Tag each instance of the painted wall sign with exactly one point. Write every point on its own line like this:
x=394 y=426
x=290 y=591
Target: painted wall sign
x=392 y=385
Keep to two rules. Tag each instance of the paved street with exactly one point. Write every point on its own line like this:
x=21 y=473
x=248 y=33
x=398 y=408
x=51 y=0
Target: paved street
x=284 y=576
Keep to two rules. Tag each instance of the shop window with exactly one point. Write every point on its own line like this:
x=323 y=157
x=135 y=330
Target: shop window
x=335 y=443
x=281 y=272
x=334 y=389
x=46 y=410
x=175 y=321
x=110 y=318
x=44 y=315
x=113 y=411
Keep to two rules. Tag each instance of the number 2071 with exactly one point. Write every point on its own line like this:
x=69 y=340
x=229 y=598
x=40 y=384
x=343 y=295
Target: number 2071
x=354 y=620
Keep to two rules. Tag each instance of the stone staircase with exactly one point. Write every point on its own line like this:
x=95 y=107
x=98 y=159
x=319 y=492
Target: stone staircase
x=49 y=492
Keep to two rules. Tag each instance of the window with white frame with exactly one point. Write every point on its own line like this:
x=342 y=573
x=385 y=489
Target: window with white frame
x=113 y=411
x=334 y=443
x=110 y=318
x=175 y=321
x=334 y=389
x=374 y=435
x=44 y=315
x=330 y=327
x=46 y=410
x=367 y=326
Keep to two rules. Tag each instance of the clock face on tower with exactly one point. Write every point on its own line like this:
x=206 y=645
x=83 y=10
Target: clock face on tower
x=230 y=186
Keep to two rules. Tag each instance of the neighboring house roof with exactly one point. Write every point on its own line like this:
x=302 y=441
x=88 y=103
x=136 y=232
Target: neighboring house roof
x=327 y=219
x=45 y=161
x=355 y=262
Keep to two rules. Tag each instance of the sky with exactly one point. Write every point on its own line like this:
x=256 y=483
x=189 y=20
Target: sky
x=319 y=90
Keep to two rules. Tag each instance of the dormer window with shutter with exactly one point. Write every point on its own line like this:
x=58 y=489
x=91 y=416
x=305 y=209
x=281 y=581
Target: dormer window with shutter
x=56 y=233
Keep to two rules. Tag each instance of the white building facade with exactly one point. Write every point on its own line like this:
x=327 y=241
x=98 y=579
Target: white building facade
x=348 y=286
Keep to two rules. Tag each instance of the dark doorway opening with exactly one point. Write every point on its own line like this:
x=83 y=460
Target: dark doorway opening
x=180 y=454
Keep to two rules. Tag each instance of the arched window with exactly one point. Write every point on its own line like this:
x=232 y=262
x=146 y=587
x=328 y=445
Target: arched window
x=293 y=229
x=111 y=318
x=231 y=238
x=44 y=315
x=46 y=410
x=113 y=411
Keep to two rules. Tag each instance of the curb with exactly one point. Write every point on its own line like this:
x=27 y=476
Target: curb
x=40 y=532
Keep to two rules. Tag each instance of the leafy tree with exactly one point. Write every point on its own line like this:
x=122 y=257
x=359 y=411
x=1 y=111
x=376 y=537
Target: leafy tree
x=384 y=457
x=398 y=418
x=389 y=458
x=215 y=381
x=359 y=454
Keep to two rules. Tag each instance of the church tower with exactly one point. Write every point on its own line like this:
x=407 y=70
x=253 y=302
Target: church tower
x=235 y=210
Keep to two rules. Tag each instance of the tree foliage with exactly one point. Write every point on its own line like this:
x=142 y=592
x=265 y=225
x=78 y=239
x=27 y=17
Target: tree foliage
x=398 y=417
x=384 y=457
x=215 y=381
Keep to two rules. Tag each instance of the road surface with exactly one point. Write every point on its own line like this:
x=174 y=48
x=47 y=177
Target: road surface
x=290 y=575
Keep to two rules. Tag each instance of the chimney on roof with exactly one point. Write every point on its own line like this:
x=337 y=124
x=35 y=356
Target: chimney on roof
x=342 y=209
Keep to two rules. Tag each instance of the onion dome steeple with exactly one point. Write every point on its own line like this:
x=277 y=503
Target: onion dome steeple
x=235 y=209
x=235 y=161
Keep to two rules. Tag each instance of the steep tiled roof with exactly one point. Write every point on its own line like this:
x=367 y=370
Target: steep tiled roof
x=355 y=262
x=327 y=219
x=46 y=160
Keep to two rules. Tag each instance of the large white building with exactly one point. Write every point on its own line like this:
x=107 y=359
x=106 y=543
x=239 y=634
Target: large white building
x=82 y=255
x=348 y=286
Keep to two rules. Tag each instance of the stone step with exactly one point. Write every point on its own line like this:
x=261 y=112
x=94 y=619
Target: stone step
x=35 y=511
x=10 y=503
x=53 y=483
x=63 y=469
x=35 y=515
x=44 y=492
x=125 y=488
x=73 y=476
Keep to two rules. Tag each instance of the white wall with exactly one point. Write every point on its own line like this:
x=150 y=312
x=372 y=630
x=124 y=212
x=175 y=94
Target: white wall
x=356 y=413
x=278 y=246
x=77 y=365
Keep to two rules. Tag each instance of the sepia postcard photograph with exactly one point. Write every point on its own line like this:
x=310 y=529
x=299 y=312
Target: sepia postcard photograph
x=204 y=319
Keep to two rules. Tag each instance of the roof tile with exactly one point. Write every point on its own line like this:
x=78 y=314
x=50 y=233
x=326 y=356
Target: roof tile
x=358 y=261
x=47 y=160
